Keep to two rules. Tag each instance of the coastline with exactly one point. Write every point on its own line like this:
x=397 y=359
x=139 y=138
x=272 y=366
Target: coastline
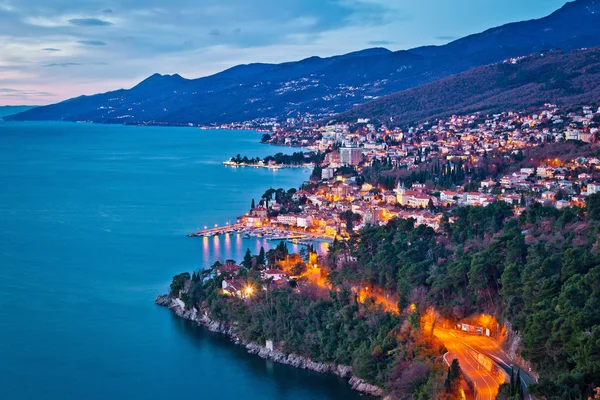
x=344 y=371
x=268 y=166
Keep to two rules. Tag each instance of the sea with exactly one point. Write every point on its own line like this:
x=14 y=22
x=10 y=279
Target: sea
x=93 y=224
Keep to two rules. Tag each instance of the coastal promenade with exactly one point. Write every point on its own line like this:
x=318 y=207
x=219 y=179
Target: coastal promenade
x=272 y=233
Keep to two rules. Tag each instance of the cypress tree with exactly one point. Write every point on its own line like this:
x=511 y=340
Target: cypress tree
x=247 y=259
x=261 y=256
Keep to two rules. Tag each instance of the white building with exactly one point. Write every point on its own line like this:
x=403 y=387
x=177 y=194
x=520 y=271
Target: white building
x=593 y=188
x=350 y=155
x=287 y=219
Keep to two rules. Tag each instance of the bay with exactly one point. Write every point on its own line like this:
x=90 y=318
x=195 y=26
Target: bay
x=93 y=221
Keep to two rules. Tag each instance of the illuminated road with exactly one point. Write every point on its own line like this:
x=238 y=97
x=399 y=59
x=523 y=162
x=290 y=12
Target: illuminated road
x=470 y=348
x=485 y=380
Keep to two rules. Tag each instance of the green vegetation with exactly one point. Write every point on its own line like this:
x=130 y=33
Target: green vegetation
x=297 y=158
x=539 y=272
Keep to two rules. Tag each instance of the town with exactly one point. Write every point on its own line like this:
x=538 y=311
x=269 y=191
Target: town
x=365 y=174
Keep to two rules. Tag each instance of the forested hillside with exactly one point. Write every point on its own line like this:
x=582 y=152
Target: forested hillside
x=539 y=271
x=565 y=79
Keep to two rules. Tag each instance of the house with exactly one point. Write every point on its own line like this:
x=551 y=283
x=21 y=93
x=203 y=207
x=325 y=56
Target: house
x=253 y=222
x=488 y=183
x=230 y=269
x=486 y=200
x=275 y=274
x=593 y=188
x=259 y=212
x=473 y=198
x=287 y=219
x=506 y=181
x=236 y=287
x=447 y=197
x=389 y=197
x=304 y=221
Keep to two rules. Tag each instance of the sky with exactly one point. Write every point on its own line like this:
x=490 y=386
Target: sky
x=51 y=50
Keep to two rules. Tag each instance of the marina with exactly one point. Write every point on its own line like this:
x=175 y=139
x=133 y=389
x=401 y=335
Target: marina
x=275 y=233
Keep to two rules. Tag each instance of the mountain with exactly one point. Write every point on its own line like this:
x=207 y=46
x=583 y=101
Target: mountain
x=567 y=79
x=323 y=86
x=5 y=111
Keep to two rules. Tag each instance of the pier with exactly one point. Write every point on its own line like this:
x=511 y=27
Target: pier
x=218 y=230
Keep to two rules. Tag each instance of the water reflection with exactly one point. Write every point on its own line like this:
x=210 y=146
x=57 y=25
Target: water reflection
x=233 y=247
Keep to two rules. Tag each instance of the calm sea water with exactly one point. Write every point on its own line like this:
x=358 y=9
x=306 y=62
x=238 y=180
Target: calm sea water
x=92 y=227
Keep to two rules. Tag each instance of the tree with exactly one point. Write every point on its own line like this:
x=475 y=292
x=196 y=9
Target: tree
x=452 y=383
x=261 y=256
x=178 y=283
x=252 y=206
x=593 y=206
x=298 y=269
x=247 y=263
x=430 y=205
x=316 y=173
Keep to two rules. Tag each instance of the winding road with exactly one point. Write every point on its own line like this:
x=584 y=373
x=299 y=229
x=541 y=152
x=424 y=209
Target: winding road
x=482 y=360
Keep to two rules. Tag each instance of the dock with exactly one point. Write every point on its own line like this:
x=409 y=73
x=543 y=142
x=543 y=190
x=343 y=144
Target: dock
x=219 y=230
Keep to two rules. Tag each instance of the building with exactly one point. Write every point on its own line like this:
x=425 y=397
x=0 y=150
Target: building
x=593 y=188
x=230 y=269
x=304 y=221
x=413 y=199
x=259 y=212
x=275 y=274
x=287 y=219
x=350 y=156
x=327 y=173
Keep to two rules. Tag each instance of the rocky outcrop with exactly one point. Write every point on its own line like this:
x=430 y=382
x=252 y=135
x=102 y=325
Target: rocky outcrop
x=512 y=345
x=363 y=387
x=344 y=371
x=297 y=361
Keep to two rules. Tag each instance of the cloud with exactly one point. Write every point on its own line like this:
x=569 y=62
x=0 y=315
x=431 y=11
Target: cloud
x=8 y=92
x=92 y=42
x=64 y=64
x=380 y=42
x=198 y=38
x=89 y=22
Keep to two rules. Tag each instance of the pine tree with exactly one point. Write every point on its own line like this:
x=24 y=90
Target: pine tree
x=261 y=256
x=453 y=378
x=253 y=205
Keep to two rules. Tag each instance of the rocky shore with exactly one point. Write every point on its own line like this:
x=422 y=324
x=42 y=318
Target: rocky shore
x=344 y=371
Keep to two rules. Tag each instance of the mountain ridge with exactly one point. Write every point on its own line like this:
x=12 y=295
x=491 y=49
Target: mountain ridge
x=567 y=79
x=316 y=87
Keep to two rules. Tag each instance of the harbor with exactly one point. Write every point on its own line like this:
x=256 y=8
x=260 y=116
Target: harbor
x=270 y=233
